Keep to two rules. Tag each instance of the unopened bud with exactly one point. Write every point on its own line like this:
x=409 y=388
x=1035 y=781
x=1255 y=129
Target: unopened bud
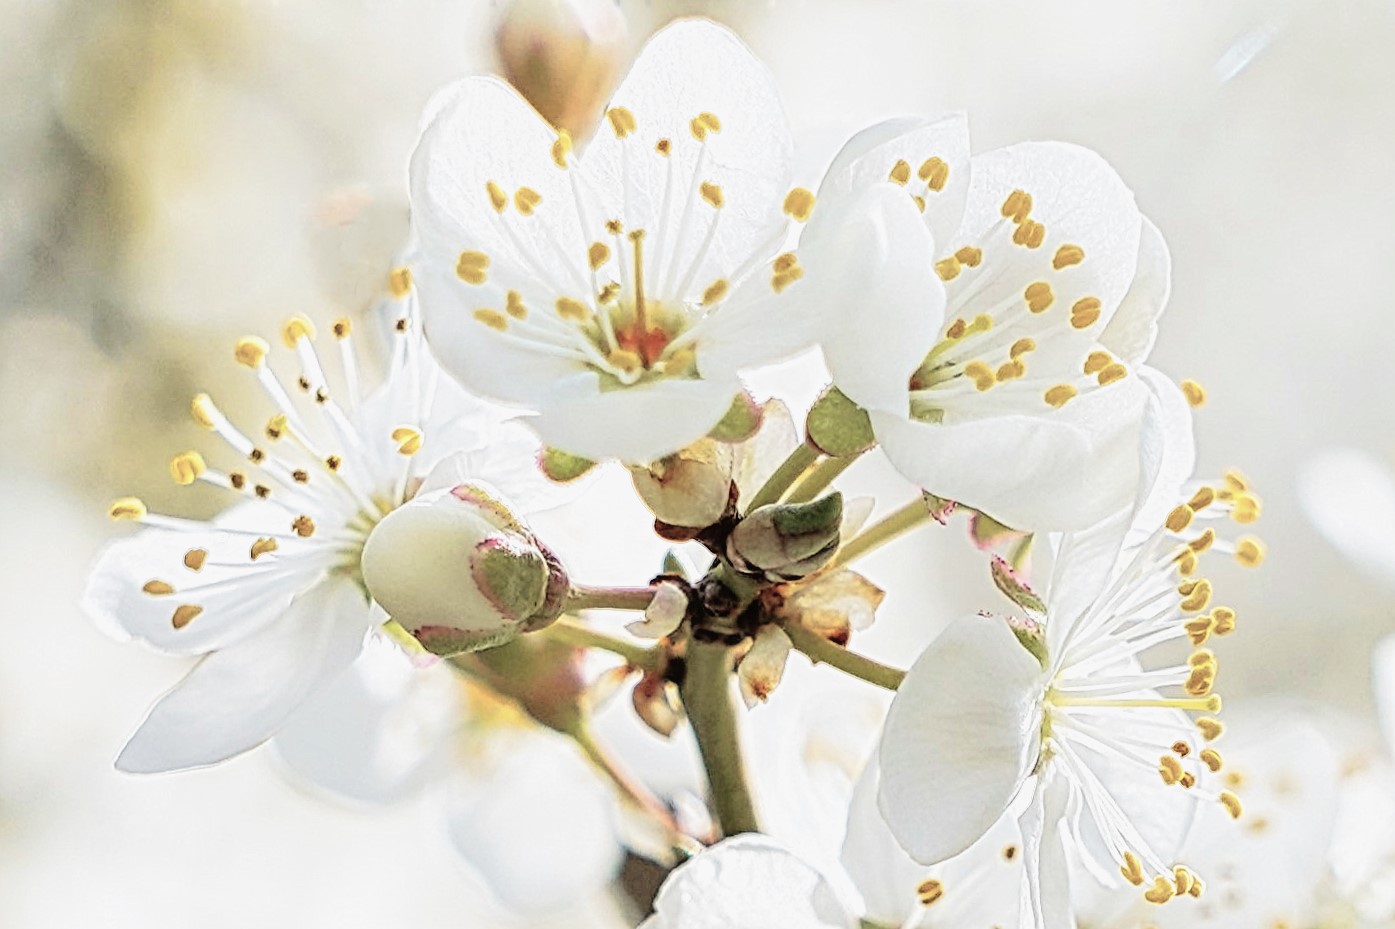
x=788 y=540
x=762 y=667
x=690 y=488
x=656 y=703
x=460 y=572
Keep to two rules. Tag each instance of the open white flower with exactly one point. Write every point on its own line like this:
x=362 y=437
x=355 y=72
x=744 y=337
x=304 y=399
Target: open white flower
x=619 y=294
x=1349 y=495
x=270 y=592
x=1113 y=764
x=1014 y=389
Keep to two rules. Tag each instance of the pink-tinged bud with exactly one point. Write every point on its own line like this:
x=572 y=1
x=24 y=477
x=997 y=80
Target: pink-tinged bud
x=458 y=570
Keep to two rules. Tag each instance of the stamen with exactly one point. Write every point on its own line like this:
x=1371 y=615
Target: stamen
x=1066 y=256
x=1212 y=759
x=184 y=614
x=251 y=351
x=1249 y=551
x=1059 y=395
x=1110 y=373
x=194 y=558
x=526 y=200
x=1210 y=729
x=970 y=256
x=471 y=267
x=1039 y=296
x=408 y=440
x=1231 y=804
x=799 y=203
x=935 y=173
x=492 y=318
x=128 y=508
x=1132 y=869
x=714 y=292
x=1017 y=206
x=712 y=193
x=399 y=285
x=930 y=890
x=947 y=268
x=1030 y=234
x=303 y=526
x=597 y=255
x=262 y=546
x=622 y=121
x=704 y=123
x=1085 y=312
x=1096 y=362
x=157 y=588
x=1194 y=392
x=187 y=468
x=561 y=148
x=900 y=173
x=295 y=329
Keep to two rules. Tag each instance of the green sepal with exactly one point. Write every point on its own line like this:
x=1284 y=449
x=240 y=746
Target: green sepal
x=1016 y=589
x=563 y=466
x=838 y=427
x=742 y=420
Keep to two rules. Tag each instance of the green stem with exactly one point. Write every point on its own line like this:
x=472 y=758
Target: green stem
x=582 y=597
x=634 y=791
x=706 y=691
x=577 y=634
x=784 y=477
x=820 y=649
x=894 y=524
x=823 y=474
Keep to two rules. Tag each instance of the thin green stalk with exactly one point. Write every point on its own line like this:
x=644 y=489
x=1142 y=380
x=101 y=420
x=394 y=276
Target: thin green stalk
x=634 y=791
x=893 y=525
x=577 y=634
x=818 y=479
x=789 y=471
x=582 y=597
x=707 y=697
x=820 y=649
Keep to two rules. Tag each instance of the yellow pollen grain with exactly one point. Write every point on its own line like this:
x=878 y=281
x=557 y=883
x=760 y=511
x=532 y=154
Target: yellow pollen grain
x=127 y=508
x=981 y=374
x=1017 y=205
x=930 y=891
x=187 y=468
x=1203 y=542
x=262 y=546
x=622 y=121
x=1231 y=804
x=1030 y=234
x=1161 y=891
x=1039 y=296
x=1170 y=769
x=471 y=266
x=1249 y=551
x=194 y=558
x=1132 y=869
x=156 y=588
x=1009 y=370
x=1096 y=362
x=1059 y=395
x=704 y=123
x=1085 y=312
x=1194 y=392
x=712 y=193
x=598 y=254
x=303 y=526
x=399 y=285
x=204 y=411
x=1021 y=347
x=408 y=440
x=497 y=198
x=1066 y=256
x=971 y=256
x=900 y=173
x=1199 y=629
x=799 y=203
x=295 y=329
x=783 y=279
x=1110 y=373
x=341 y=328
x=663 y=147
x=561 y=148
x=947 y=268
x=935 y=173
x=492 y=318
x=526 y=200
x=1212 y=759
x=571 y=309
x=1202 y=498
x=715 y=291
x=184 y=614
x=1195 y=600
x=956 y=329
x=251 y=351
x=1209 y=728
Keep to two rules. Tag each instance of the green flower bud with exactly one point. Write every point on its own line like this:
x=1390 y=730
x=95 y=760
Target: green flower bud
x=787 y=540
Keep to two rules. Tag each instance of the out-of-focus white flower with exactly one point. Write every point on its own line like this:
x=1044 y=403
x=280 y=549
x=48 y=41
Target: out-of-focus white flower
x=619 y=294
x=1059 y=705
x=270 y=592
x=1350 y=496
x=1017 y=387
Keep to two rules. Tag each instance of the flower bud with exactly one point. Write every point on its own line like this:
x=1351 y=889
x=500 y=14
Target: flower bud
x=690 y=488
x=788 y=540
x=459 y=571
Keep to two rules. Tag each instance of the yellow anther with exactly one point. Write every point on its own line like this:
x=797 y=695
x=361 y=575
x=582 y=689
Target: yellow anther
x=303 y=526
x=251 y=351
x=237 y=479
x=1039 y=296
x=402 y=324
x=1181 y=749
x=1017 y=205
x=1182 y=878
x=1235 y=779
x=785 y=262
x=1132 y=869
x=276 y=426
x=799 y=203
x=622 y=121
x=663 y=147
x=919 y=202
x=1067 y=255
x=1021 y=347
x=947 y=268
x=1200 y=681
x=979 y=372
x=1212 y=759
x=598 y=254
x=1110 y=373
x=1236 y=481
x=1199 y=629
x=970 y=256
x=1059 y=395
x=956 y=329
x=1209 y=728
x=1202 y=542
x=573 y=310
x=1096 y=362
x=1161 y=891
x=935 y=173
x=157 y=588
x=783 y=279
x=1202 y=498
x=1249 y=551
x=492 y=318
x=262 y=491
x=513 y=305
x=184 y=614
x=981 y=323
x=561 y=148
x=1231 y=804
x=1029 y=234
x=408 y=440
x=625 y=360
x=341 y=328
x=712 y=193
x=1186 y=562
x=1170 y=769
x=930 y=891
x=1197 y=889
x=399 y=285
x=1011 y=369
x=295 y=329
x=262 y=546
x=300 y=476
x=1009 y=852
x=681 y=362
x=900 y=172
x=1222 y=620
x=497 y=198
x=608 y=293
x=1194 y=392
x=334 y=462
x=187 y=468
x=471 y=266
x=1246 y=508
x=1085 y=312
x=1197 y=597
x=715 y=291
x=704 y=123
x=1180 y=518
x=132 y=508
x=194 y=558
x=526 y=200
x=1202 y=658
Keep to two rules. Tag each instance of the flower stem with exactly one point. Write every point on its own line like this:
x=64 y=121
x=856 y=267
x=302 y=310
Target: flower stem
x=820 y=649
x=785 y=475
x=706 y=691
x=582 y=597
x=823 y=474
x=577 y=634
x=889 y=527
x=634 y=791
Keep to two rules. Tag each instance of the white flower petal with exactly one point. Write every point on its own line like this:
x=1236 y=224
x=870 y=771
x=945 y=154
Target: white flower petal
x=237 y=697
x=759 y=456
x=748 y=882
x=634 y=424
x=1047 y=901
x=961 y=737
x=1133 y=329
x=883 y=873
x=663 y=614
x=761 y=669
x=1349 y=495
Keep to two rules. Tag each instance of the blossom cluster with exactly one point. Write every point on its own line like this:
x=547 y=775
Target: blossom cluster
x=562 y=309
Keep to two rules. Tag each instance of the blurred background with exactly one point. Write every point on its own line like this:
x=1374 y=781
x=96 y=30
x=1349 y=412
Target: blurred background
x=175 y=174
